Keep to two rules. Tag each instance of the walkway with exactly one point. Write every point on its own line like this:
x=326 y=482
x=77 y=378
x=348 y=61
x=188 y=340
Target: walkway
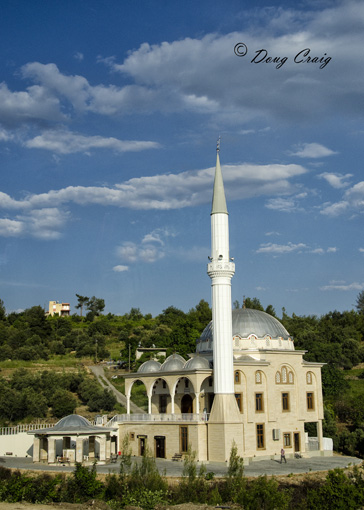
x=174 y=469
x=98 y=371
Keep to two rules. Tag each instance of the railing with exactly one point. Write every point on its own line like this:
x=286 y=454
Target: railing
x=120 y=418
x=17 y=429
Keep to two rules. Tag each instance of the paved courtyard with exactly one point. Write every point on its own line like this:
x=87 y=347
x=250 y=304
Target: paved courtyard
x=174 y=469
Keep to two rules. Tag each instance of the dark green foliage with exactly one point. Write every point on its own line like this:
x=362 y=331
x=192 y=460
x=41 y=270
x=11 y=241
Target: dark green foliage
x=360 y=302
x=83 y=485
x=2 y=310
x=63 y=403
x=333 y=381
x=253 y=303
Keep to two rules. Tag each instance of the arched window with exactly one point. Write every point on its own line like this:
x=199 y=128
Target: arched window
x=278 y=377
x=309 y=377
x=258 y=377
x=237 y=377
x=284 y=375
x=290 y=377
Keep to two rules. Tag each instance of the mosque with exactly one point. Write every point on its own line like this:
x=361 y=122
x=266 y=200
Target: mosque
x=246 y=384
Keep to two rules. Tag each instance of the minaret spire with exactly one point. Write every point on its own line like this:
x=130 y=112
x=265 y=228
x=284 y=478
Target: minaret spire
x=221 y=269
x=218 y=197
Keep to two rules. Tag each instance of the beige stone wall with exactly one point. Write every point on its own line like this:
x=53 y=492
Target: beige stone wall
x=197 y=437
x=271 y=374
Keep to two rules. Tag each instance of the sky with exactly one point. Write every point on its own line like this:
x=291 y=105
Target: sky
x=109 y=117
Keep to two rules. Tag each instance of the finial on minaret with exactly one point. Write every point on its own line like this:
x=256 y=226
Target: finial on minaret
x=218 y=144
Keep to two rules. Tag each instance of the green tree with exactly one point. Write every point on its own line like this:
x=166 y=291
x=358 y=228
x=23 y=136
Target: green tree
x=360 y=302
x=95 y=305
x=253 y=303
x=82 y=301
x=2 y=310
x=63 y=403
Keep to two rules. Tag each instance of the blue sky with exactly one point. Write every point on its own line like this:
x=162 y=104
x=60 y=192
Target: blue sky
x=109 y=116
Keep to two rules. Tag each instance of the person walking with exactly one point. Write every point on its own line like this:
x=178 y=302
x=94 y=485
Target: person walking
x=283 y=456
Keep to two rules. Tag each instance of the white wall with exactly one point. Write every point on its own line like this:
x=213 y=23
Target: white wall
x=20 y=445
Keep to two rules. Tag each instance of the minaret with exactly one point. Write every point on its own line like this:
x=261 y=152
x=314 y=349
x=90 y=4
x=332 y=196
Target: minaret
x=221 y=270
x=225 y=422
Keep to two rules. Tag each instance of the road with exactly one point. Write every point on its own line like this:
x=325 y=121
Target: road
x=174 y=469
x=98 y=370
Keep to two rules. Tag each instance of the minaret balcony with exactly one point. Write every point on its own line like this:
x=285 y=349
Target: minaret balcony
x=217 y=268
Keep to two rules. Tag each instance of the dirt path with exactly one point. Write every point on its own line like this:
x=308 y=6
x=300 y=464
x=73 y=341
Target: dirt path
x=99 y=373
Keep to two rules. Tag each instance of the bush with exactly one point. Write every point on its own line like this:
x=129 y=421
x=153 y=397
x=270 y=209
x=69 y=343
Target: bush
x=83 y=485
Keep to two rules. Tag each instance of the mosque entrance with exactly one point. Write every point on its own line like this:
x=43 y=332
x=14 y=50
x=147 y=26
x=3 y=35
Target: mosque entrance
x=142 y=444
x=160 y=447
x=296 y=437
x=186 y=404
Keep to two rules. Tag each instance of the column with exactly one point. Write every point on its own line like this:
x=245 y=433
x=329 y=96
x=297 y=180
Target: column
x=102 y=444
x=172 y=403
x=320 y=434
x=51 y=450
x=79 y=449
x=197 y=398
x=36 y=449
x=128 y=404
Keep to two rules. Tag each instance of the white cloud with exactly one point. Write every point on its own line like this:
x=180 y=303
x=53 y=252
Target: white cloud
x=312 y=150
x=281 y=204
x=78 y=56
x=361 y=250
x=343 y=286
x=131 y=252
x=318 y=251
x=33 y=105
x=279 y=249
x=353 y=200
x=128 y=251
x=44 y=223
x=66 y=142
x=335 y=209
x=336 y=180
x=120 y=269
x=9 y=228
x=171 y=191
x=150 y=249
x=5 y=136
x=286 y=204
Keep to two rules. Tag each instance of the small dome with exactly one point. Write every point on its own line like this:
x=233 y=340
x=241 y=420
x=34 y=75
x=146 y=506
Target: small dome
x=173 y=363
x=196 y=363
x=73 y=421
x=149 y=366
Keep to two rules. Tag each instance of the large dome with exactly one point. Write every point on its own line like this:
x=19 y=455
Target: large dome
x=252 y=329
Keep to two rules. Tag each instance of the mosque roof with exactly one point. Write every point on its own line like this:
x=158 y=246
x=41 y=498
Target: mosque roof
x=248 y=323
x=149 y=366
x=72 y=424
x=197 y=363
x=173 y=363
